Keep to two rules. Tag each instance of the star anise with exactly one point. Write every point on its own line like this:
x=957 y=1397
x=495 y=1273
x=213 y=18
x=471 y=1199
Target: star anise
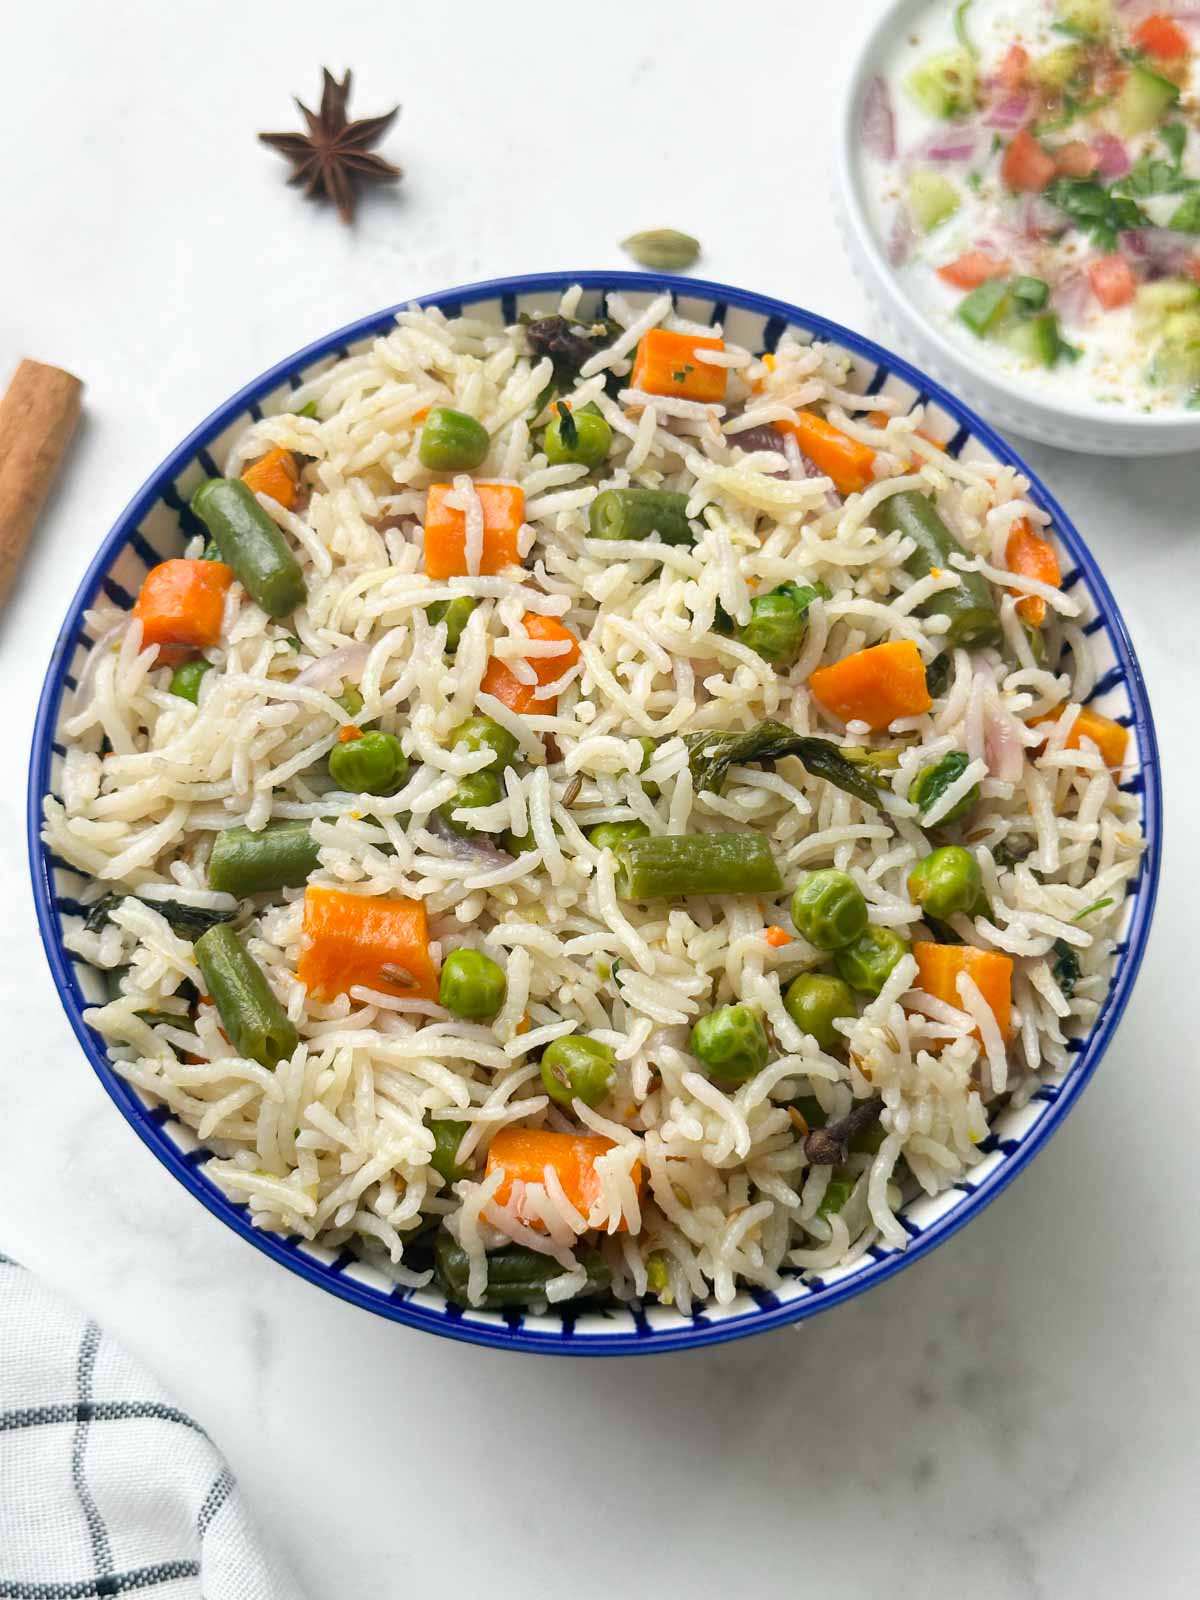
x=332 y=160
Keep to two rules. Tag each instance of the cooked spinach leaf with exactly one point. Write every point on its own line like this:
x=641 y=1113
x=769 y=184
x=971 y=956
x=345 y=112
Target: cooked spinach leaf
x=189 y=922
x=858 y=772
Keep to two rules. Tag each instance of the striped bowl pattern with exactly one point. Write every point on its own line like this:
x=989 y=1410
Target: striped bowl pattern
x=154 y=527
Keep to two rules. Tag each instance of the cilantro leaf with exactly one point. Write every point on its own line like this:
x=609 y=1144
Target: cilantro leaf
x=566 y=425
x=1096 y=210
x=1186 y=218
x=1174 y=136
x=1073 y=30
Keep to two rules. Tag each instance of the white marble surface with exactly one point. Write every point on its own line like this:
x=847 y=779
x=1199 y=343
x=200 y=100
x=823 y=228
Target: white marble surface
x=1018 y=1414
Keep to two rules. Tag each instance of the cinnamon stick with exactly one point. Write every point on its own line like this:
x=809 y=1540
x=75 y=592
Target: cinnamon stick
x=37 y=418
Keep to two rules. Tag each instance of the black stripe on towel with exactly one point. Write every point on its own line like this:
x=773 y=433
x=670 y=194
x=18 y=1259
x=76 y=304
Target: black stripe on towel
x=110 y=1583
x=222 y=1487
x=85 y=1369
x=83 y=1411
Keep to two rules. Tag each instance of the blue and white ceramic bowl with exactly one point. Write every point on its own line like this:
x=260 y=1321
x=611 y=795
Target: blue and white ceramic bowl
x=154 y=526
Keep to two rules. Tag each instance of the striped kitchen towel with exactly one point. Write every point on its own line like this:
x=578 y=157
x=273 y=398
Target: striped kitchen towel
x=106 y=1487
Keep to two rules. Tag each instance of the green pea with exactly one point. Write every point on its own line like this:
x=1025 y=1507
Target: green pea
x=447 y=1136
x=815 y=1001
x=779 y=621
x=451 y=441
x=350 y=700
x=472 y=985
x=658 y=1277
x=517 y=844
x=931 y=783
x=576 y=1067
x=608 y=835
x=867 y=964
x=731 y=1043
x=946 y=881
x=374 y=764
x=580 y=437
x=649 y=746
x=454 y=613
x=476 y=789
x=829 y=909
x=481 y=733
x=185 y=680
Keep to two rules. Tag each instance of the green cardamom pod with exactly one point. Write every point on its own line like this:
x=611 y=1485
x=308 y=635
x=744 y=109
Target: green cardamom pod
x=664 y=248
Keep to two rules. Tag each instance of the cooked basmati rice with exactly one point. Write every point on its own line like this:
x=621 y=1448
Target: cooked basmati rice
x=334 y=1145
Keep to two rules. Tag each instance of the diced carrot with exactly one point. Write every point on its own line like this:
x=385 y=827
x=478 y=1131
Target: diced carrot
x=1194 y=268
x=275 y=474
x=1026 y=166
x=501 y=681
x=525 y=1153
x=181 y=606
x=1031 y=556
x=349 y=734
x=1076 y=159
x=874 y=686
x=1011 y=72
x=503 y=506
x=777 y=937
x=356 y=939
x=419 y=416
x=938 y=969
x=1112 y=281
x=1162 y=37
x=847 y=461
x=969 y=271
x=1109 y=737
x=666 y=364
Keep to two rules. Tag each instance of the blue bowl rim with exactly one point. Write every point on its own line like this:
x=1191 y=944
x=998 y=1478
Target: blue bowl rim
x=443 y=1321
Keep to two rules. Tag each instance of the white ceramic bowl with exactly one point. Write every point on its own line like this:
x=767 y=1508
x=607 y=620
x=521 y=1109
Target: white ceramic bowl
x=1010 y=404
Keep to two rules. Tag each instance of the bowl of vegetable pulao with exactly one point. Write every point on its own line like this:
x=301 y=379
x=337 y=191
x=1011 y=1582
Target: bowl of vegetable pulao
x=594 y=813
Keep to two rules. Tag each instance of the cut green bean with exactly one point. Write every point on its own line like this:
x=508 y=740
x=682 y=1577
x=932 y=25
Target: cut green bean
x=251 y=544
x=515 y=1277
x=279 y=856
x=447 y=1136
x=974 y=621
x=638 y=513
x=257 y=1025
x=668 y=867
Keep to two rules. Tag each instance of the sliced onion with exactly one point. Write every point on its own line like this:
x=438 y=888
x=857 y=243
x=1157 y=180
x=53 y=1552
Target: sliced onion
x=877 y=127
x=1041 y=220
x=1003 y=747
x=900 y=241
x=763 y=436
x=1162 y=250
x=472 y=849
x=960 y=142
x=83 y=687
x=1072 y=296
x=1011 y=112
x=1112 y=158
x=348 y=662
